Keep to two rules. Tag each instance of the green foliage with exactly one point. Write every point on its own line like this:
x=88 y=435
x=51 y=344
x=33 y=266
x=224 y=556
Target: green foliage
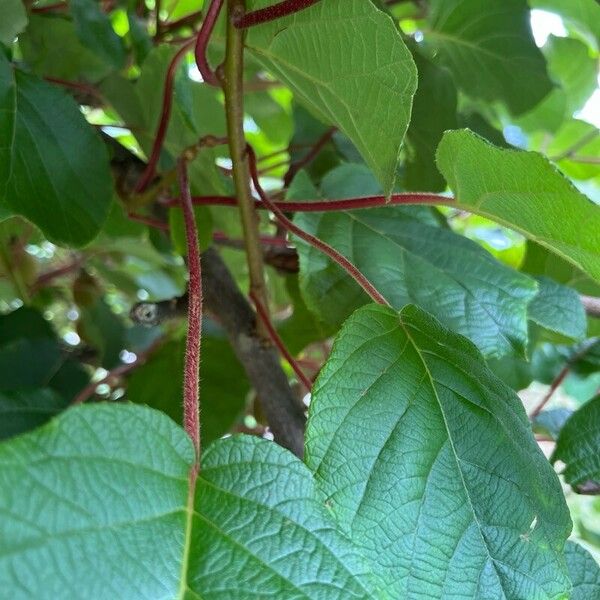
x=375 y=70
x=249 y=489
x=419 y=472
x=577 y=447
x=497 y=184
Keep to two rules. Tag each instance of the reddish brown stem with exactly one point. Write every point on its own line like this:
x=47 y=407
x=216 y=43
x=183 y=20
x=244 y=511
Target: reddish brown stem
x=310 y=156
x=208 y=74
x=150 y=221
x=189 y=20
x=276 y=339
x=561 y=377
x=45 y=278
x=74 y=85
x=191 y=404
x=165 y=115
x=119 y=371
x=330 y=205
x=314 y=241
x=270 y=13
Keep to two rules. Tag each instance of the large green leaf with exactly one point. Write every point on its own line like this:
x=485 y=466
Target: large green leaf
x=14 y=20
x=584 y=572
x=443 y=483
x=55 y=168
x=260 y=524
x=410 y=259
x=578 y=447
x=256 y=526
x=488 y=46
x=522 y=190
x=346 y=61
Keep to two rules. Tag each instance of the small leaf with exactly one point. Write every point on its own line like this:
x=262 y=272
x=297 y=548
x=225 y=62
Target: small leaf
x=490 y=50
x=558 y=308
x=583 y=571
x=55 y=171
x=551 y=421
x=14 y=20
x=522 y=190
x=95 y=31
x=579 y=448
x=442 y=484
x=346 y=61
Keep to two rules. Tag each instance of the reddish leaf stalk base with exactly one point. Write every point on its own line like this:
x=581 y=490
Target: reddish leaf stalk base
x=191 y=405
x=329 y=205
x=314 y=241
x=263 y=315
x=208 y=75
x=270 y=13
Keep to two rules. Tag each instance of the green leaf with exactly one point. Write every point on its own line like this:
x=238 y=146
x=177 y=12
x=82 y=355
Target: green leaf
x=24 y=410
x=442 y=484
x=14 y=20
x=579 y=448
x=51 y=48
x=223 y=385
x=551 y=421
x=558 y=308
x=29 y=351
x=245 y=534
x=570 y=63
x=434 y=111
x=410 y=259
x=523 y=191
x=55 y=167
x=583 y=571
x=584 y=14
x=259 y=523
x=490 y=50
x=95 y=31
x=346 y=61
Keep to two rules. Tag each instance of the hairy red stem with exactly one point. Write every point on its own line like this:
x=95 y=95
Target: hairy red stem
x=191 y=399
x=310 y=156
x=208 y=74
x=165 y=115
x=314 y=241
x=276 y=339
x=270 y=13
x=330 y=205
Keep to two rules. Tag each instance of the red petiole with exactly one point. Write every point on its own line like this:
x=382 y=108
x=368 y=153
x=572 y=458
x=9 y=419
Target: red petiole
x=270 y=13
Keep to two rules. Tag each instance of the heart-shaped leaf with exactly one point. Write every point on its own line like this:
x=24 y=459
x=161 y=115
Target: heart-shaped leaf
x=98 y=502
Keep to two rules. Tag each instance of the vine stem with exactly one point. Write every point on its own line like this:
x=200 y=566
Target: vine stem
x=309 y=157
x=191 y=399
x=264 y=316
x=314 y=241
x=233 y=88
x=119 y=371
x=270 y=13
x=561 y=376
x=329 y=205
x=165 y=115
x=208 y=75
